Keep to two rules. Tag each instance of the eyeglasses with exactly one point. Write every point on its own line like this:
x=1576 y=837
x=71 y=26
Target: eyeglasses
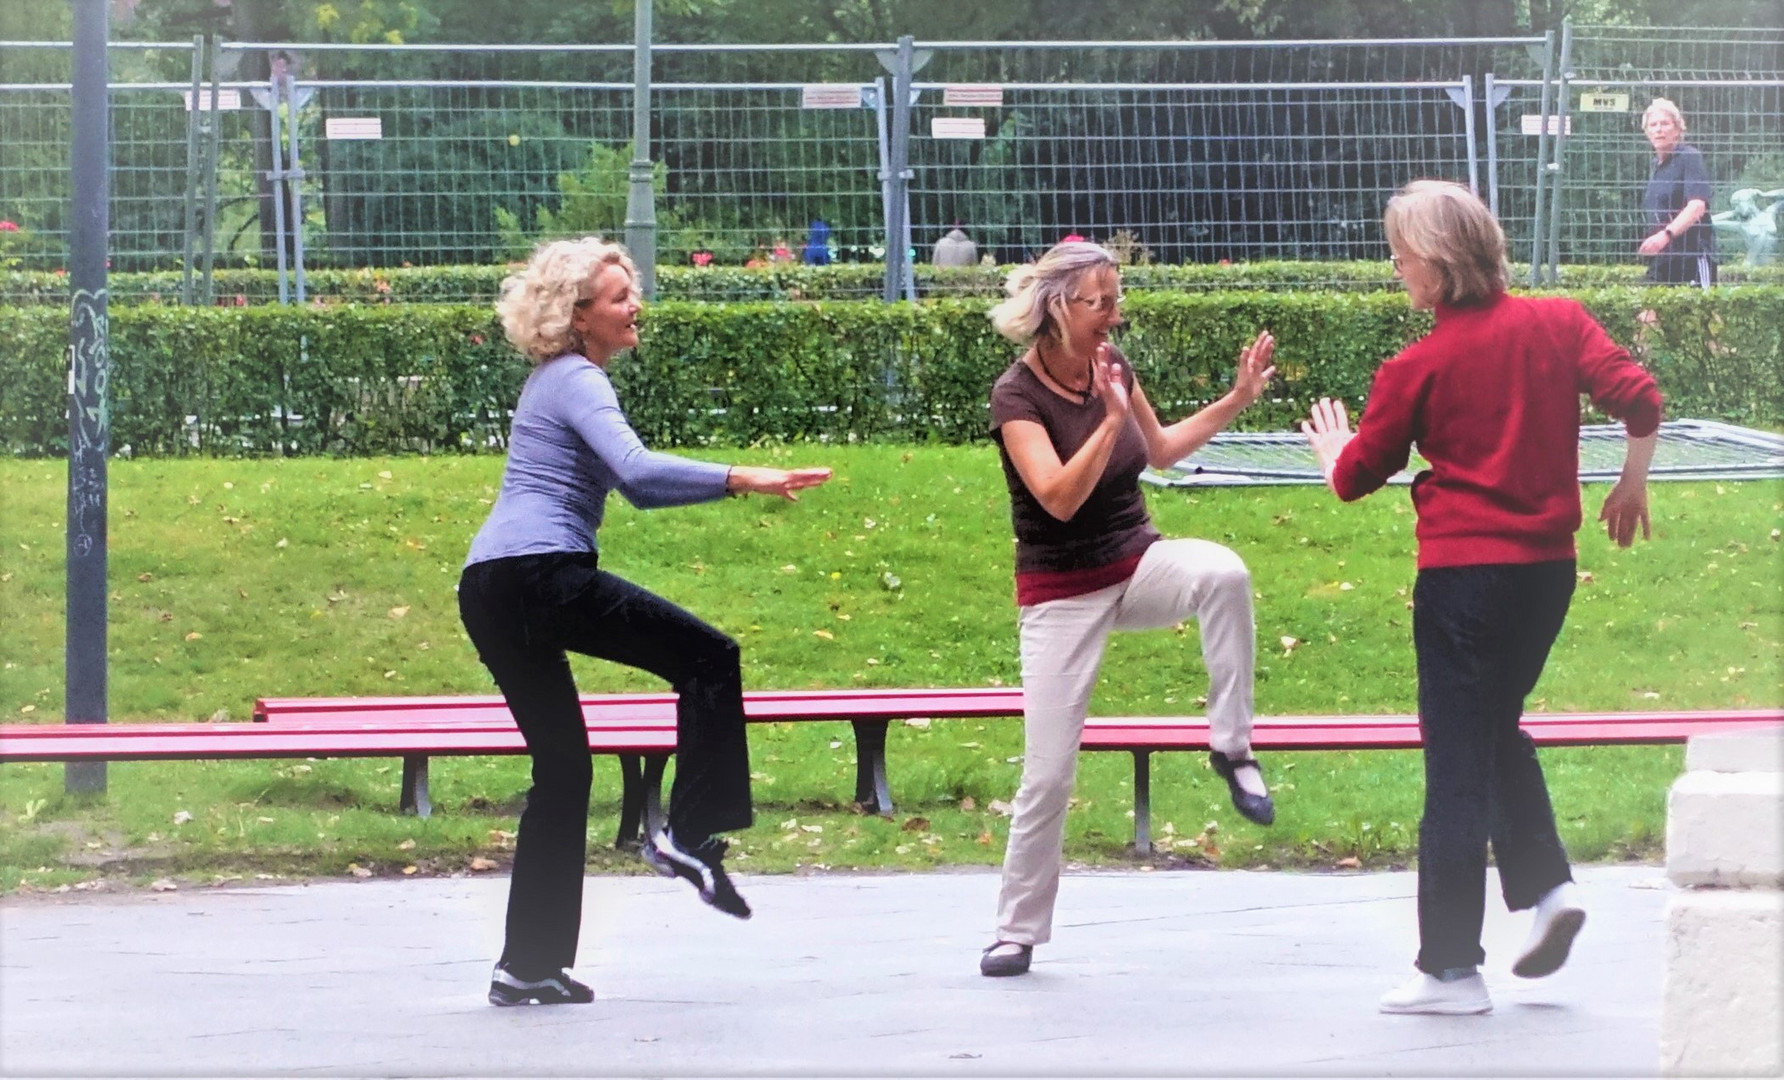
x=1100 y=305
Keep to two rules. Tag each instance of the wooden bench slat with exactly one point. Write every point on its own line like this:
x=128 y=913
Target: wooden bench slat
x=640 y=729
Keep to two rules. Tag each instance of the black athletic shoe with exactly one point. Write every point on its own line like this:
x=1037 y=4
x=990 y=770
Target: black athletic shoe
x=560 y=989
x=702 y=867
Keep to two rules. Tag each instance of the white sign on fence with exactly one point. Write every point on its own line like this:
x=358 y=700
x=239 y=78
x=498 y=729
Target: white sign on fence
x=957 y=127
x=1532 y=124
x=226 y=99
x=354 y=127
x=1590 y=102
x=830 y=96
x=955 y=97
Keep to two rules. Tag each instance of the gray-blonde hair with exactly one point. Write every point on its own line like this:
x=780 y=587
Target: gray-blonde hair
x=536 y=304
x=1664 y=107
x=1447 y=225
x=1041 y=289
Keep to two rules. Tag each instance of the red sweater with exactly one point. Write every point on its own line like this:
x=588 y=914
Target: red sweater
x=1491 y=397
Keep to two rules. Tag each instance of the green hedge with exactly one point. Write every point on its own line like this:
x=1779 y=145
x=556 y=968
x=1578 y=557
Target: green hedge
x=373 y=379
x=782 y=281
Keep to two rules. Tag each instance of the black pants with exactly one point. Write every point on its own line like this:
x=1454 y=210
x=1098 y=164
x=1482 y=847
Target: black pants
x=1682 y=268
x=523 y=614
x=1482 y=634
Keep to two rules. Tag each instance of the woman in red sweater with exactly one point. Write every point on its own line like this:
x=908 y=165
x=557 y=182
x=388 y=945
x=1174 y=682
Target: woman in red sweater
x=1491 y=398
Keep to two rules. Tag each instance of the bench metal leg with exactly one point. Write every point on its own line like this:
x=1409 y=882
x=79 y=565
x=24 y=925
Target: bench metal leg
x=631 y=801
x=414 y=798
x=1142 y=802
x=871 y=789
x=654 y=818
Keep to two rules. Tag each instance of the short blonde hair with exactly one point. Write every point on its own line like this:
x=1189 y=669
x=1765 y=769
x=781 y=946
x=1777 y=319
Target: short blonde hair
x=536 y=304
x=1447 y=225
x=1040 y=289
x=1664 y=107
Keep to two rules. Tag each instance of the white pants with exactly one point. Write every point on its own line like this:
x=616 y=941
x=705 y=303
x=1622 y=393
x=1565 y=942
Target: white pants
x=1062 y=648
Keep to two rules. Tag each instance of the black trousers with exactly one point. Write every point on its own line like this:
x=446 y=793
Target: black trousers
x=1687 y=268
x=1482 y=634
x=523 y=615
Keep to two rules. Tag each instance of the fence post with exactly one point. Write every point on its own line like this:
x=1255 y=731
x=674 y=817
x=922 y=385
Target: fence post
x=1495 y=95
x=215 y=142
x=641 y=214
x=89 y=414
x=194 y=125
x=1542 y=155
x=1563 y=74
x=899 y=181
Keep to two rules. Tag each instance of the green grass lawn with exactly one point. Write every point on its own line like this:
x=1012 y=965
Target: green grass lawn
x=232 y=580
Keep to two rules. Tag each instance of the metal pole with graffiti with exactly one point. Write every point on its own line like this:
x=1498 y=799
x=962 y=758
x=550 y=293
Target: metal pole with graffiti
x=89 y=415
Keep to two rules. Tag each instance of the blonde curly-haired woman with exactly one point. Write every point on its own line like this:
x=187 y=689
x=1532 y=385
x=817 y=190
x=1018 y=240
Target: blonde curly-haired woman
x=533 y=590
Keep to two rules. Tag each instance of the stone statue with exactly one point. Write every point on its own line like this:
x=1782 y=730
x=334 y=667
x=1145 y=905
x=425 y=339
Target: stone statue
x=1752 y=222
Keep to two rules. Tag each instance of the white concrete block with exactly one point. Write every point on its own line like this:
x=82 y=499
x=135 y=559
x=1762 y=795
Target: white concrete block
x=1736 y=751
x=1726 y=829
x=1721 y=1008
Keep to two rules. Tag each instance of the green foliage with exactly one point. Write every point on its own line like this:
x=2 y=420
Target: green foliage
x=776 y=281
x=355 y=379
x=593 y=203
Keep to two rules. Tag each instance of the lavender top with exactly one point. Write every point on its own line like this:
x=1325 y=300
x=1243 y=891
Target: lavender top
x=568 y=447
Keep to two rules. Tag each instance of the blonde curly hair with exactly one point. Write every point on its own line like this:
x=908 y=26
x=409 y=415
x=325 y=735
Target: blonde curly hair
x=1039 y=291
x=536 y=304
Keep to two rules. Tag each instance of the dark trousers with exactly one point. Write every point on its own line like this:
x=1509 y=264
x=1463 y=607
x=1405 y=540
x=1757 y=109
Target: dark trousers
x=1482 y=634
x=523 y=614
x=1686 y=268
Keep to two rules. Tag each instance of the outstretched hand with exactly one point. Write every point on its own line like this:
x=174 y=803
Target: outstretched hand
x=1327 y=431
x=1106 y=383
x=782 y=482
x=1255 y=370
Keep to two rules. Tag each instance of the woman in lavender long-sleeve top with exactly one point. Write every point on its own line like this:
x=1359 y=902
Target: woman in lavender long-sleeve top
x=533 y=591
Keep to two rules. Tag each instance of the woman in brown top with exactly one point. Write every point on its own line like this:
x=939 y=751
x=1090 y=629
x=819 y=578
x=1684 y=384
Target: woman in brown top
x=1075 y=430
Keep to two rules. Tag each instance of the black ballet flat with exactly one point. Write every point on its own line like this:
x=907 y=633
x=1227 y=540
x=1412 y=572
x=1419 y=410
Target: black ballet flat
x=1256 y=808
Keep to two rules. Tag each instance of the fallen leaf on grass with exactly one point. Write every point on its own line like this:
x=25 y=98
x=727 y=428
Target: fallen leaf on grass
x=399 y=612
x=164 y=885
x=406 y=845
x=180 y=817
x=967 y=803
x=480 y=864
x=916 y=824
x=998 y=806
x=358 y=871
x=1349 y=862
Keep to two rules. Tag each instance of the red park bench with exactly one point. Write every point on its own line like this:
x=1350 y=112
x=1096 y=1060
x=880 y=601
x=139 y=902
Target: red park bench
x=640 y=730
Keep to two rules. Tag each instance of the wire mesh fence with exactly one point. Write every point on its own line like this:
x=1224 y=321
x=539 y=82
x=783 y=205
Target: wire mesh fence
x=1181 y=152
x=1729 y=84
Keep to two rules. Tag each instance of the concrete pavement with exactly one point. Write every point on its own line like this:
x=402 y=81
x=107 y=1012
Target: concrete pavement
x=1190 y=973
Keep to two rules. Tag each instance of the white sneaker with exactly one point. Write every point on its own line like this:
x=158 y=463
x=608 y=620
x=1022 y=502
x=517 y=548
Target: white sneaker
x=1424 y=993
x=1559 y=917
